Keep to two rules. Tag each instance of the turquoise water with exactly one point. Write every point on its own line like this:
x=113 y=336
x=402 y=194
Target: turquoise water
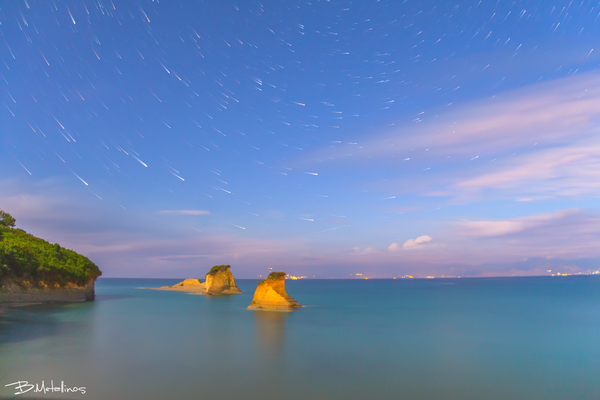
x=514 y=338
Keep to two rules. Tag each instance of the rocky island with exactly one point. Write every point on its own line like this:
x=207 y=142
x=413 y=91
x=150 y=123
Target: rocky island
x=219 y=280
x=35 y=271
x=270 y=295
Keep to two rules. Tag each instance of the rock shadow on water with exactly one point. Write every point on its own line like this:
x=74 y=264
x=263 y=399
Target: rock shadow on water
x=34 y=322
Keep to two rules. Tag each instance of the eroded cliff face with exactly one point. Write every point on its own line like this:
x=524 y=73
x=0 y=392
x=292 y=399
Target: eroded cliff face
x=220 y=281
x=270 y=295
x=13 y=294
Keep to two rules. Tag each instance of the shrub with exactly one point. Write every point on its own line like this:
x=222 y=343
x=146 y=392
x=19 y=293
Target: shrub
x=218 y=268
x=273 y=276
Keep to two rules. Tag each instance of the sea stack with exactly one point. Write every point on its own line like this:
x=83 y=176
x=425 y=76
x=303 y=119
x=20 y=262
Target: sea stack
x=219 y=280
x=270 y=295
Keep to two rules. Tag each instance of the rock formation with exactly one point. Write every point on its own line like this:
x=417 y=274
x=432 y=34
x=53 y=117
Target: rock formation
x=190 y=282
x=219 y=280
x=13 y=294
x=270 y=295
x=190 y=285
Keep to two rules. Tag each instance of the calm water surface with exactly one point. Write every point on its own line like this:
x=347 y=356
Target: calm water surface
x=517 y=338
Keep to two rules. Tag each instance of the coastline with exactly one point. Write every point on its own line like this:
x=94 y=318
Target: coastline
x=13 y=295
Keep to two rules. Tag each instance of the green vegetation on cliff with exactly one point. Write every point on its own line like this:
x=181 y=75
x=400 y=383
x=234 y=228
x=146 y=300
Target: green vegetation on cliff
x=272 y=276
x=26 y=258
x=218 y=268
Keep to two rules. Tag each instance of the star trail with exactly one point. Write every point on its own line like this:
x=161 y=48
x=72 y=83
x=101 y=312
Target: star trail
x=292 y=133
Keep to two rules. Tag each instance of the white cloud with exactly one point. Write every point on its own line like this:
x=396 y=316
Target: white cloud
x=393 y=247
x=494 y=228
x=416 y=243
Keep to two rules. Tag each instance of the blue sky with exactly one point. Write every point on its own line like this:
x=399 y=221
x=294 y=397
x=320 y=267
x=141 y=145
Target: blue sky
x=322 y=138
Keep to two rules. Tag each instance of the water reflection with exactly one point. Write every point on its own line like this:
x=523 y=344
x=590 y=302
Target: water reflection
x=39 y=321
x=270 y=333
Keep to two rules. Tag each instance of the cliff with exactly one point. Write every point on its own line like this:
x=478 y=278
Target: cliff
x=270 y=295
x=12 y=294
x=33 y=270
x=219 y=280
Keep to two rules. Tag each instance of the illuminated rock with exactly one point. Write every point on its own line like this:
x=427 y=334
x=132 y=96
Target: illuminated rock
x=220 y=280
x=270 y=295
x=191 y=285
x=190 y=282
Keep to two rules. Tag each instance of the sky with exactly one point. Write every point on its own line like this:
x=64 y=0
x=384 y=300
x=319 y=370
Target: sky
x=321 y=138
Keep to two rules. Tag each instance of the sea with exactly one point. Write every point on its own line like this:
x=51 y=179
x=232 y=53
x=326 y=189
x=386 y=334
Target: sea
x=474 y=338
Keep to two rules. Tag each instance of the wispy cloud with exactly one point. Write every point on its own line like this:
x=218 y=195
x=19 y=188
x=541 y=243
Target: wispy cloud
x=492 y=228
x=133 y=244
x=575 y=220
x=564 y=233
x=549 y=113
x=533 y=143
x=569 y=234
x=565 y=171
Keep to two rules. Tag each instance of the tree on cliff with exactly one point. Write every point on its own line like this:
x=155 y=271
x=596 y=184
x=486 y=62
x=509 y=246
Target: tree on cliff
x=6 y=219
